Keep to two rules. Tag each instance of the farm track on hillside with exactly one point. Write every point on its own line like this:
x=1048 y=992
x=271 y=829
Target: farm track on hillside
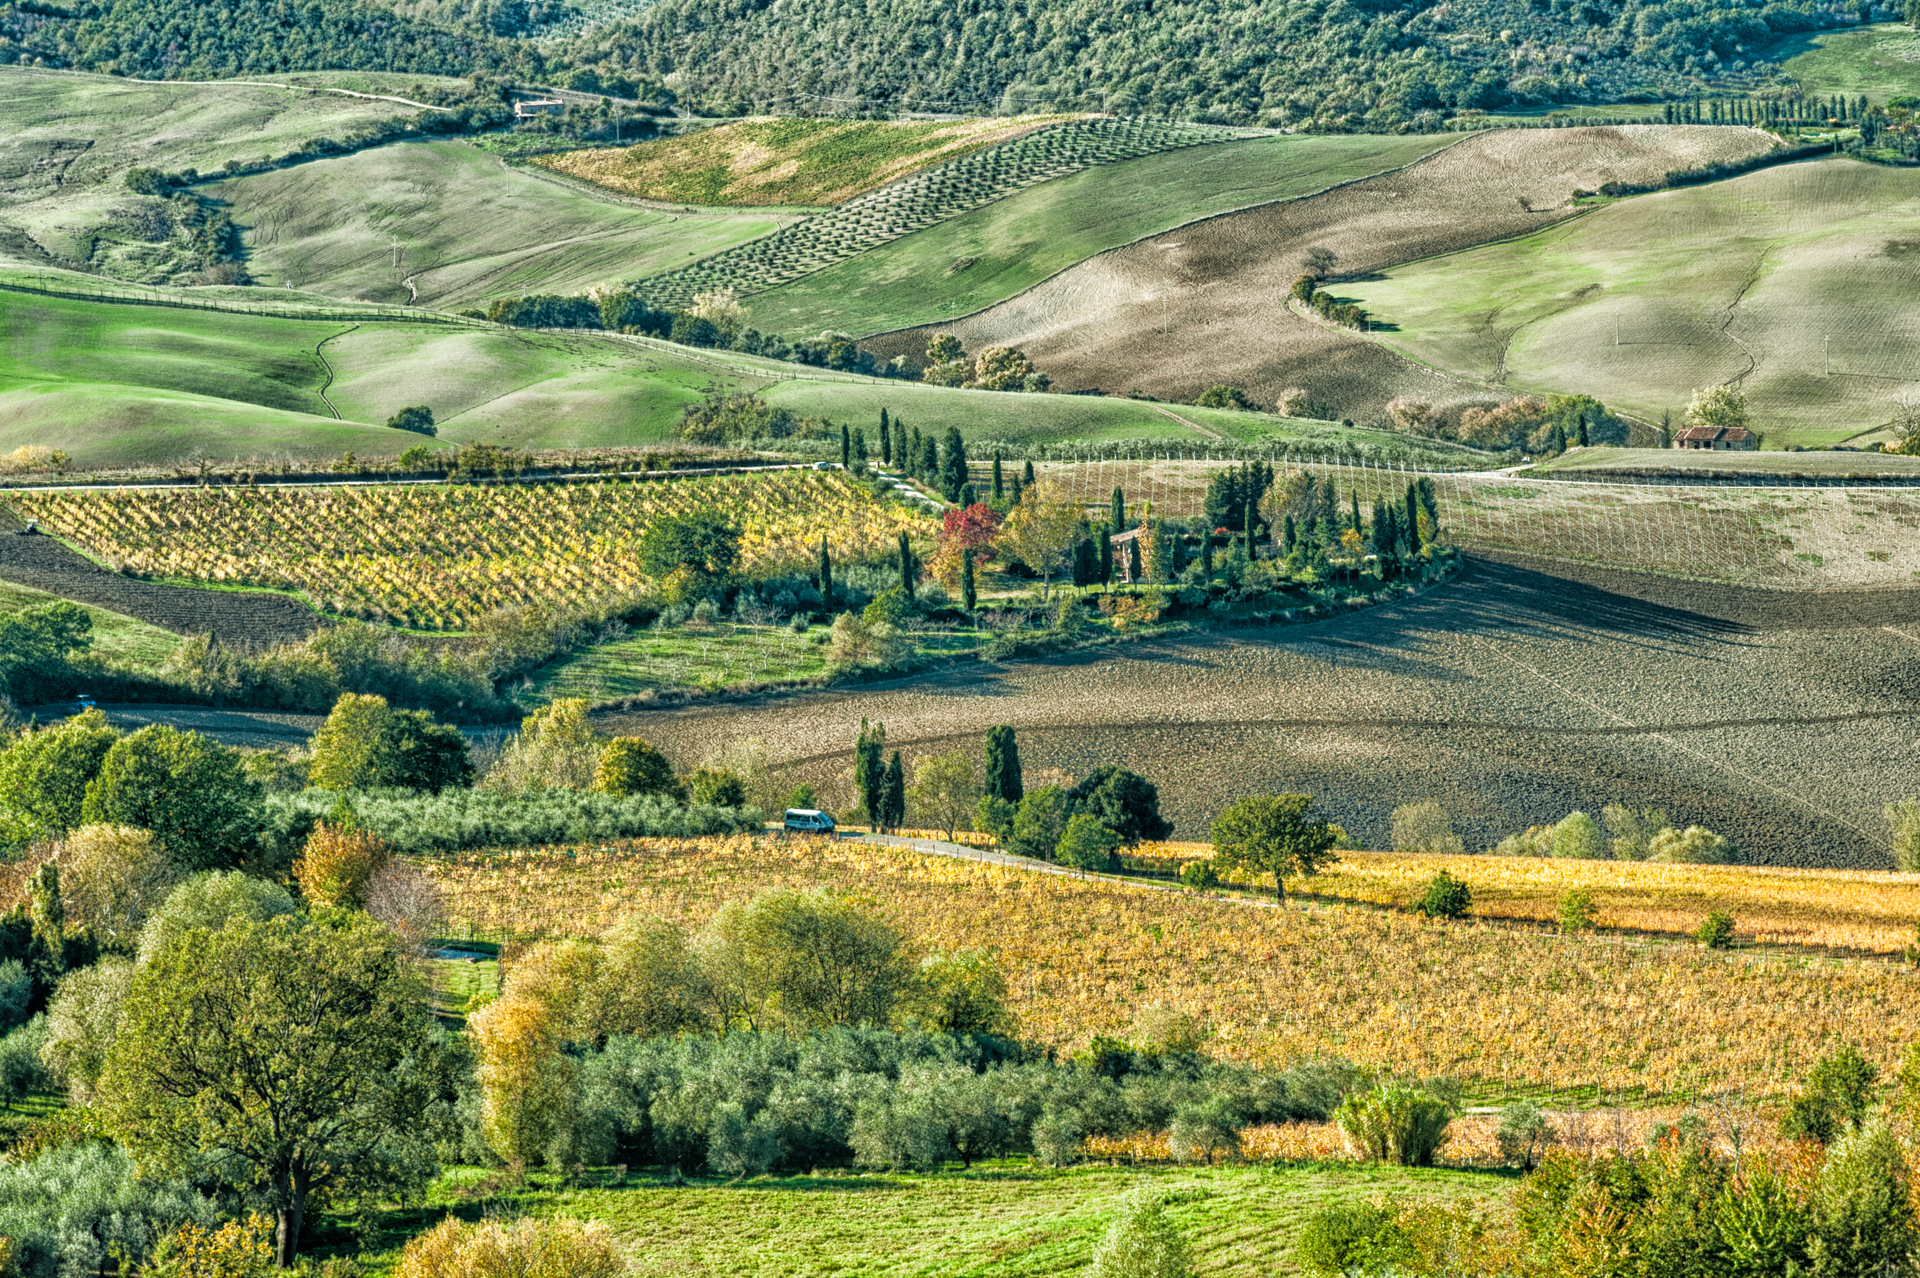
x=1512 y=696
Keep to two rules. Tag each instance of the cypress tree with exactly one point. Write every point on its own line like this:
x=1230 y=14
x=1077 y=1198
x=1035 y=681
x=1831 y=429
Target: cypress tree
x=999 y=487
x=1583 y=430
x=1206 y=554
x=1106 y=558
x=826 y=576
x=1003 y=765
x=1016 y=490
x=1356 y=509
x=1250 y=515
x=1026 y=474
x=1118 y=520
x=967 y=495
x=1291 y=535
x=860 y=445
x=869 y=774
x=906 y=566
x=1413 y=518
x=930 y=460
x=967 y=596
x=886 y=439
x=896 y=793
x=913 y=454
x=846 y=447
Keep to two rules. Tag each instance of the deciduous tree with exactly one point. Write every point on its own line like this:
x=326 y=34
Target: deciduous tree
x=1277 y=834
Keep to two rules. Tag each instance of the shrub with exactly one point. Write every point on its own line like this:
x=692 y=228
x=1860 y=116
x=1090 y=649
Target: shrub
x=1346 y=1239
x=1577 y=837
x=630 y=766
x=1445 y=898
x=1199 y=874
x=1205 y=1128
x=237 y=1249
x=1394 y=1124
x=1141 y=1243
x=1536 y=840
x=861 y=645
x=717 y=787
x=1524 y=1134
x=1861 y=1209
x=189 y=790
x=1057 y=1137
x=418 y=419
x=1692 y=846
x=337 y=863
x=1425 y=827
x=16 y=993
x=1715 y=931
x=1577 y=911
x=1632 y=830
x=962 y=993
x=113 y=877
x=1223 y=397
x=22 y=1073
x=1088 y=843
x=549 y=1247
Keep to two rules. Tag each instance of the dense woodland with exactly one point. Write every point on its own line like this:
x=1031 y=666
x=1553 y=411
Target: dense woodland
x=1319 y=63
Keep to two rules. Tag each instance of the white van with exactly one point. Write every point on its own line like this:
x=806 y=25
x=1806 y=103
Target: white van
x=809 y=821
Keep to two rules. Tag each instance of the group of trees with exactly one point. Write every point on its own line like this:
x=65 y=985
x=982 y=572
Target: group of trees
x=1630 y=834
x=998 y=368
x=1542 y=426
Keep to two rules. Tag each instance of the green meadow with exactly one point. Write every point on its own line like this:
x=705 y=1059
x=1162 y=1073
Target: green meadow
x=1881 y=61
x=1004 y=248
x=1796 y=282
x=120 y=639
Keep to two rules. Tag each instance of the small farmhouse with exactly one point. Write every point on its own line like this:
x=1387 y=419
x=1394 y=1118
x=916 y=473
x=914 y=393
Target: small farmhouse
x=1737 y=438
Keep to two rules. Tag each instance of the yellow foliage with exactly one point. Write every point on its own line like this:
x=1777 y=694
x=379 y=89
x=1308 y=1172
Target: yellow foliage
x=336 y=863
x=238 y=1249
x=555 y=1247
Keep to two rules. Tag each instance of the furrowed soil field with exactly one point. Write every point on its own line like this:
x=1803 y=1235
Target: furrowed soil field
x=1795 y=284
x=993 y=253
x=1206 y=303
x=457 y=225
x=437 y=557
x=1509 y=696
x=1496 y=1006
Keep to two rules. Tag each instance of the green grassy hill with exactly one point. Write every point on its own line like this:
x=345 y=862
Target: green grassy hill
x=1881 y=61
x=990 y=254
x=114 y=384
x=1752 y=281
x=464 y=227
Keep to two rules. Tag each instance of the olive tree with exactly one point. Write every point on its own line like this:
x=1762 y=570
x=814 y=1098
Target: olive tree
x=1277 y=834
x=302 y=1054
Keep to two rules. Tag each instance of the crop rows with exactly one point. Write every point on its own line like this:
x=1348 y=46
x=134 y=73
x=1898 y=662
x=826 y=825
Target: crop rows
x=440 y=556
x=922 y=200
x=1274 y=985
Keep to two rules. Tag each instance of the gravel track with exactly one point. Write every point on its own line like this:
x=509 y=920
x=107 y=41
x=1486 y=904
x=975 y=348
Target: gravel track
x=239 y=618
x=1512 y=696
x=1206 y=303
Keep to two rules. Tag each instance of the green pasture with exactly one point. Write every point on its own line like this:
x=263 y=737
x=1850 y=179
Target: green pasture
x=120 y=639
x=1881 y=61
x=1823 y=464
x=992 y=253
x=1005 y=1219
x=464 y=227
x=1757 y=280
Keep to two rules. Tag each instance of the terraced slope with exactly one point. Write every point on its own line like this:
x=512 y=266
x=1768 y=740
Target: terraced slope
x=922 y=200
x=1206 y=303
x=1795 y=283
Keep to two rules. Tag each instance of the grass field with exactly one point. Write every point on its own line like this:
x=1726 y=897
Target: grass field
x=1755 y=281
x=458 y=224
x=1495 y=1006
x=1206 y=303
x=120 y=639
x=990 y=254
x=1826 y=464
x=786 y=161
x=1881 y=61
x=1005 y=1220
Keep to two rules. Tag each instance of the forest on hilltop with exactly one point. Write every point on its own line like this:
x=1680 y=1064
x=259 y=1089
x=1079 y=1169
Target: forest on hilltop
x=1324 y=64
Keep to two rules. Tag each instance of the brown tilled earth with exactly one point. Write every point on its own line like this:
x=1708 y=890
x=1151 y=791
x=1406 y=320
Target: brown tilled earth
x=1206 y=303
x=238 y=618
x=1514 y=695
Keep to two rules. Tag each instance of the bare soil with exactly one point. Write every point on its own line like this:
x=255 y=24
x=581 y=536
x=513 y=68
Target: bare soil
x=1512 y=696
x=237 y=618
x=1206 y=303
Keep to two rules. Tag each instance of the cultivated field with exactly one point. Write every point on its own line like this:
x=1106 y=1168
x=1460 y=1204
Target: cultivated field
x=1495 y=1006
x=786 y=161
x=1789 y=467
x=437 y=557
x=924 y=199
x=993 y=253
x=1509 y=696
x=1766 y=281
x=457 y=225
x=1207 y=303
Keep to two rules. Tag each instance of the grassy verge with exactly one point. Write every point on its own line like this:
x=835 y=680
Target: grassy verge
x=119 y=639
x=1004 y=1219
x=990 y=254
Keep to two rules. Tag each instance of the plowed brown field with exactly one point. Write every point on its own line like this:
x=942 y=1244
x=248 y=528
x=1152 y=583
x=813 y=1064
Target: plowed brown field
x=1510 y=696
x=1206 y=303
